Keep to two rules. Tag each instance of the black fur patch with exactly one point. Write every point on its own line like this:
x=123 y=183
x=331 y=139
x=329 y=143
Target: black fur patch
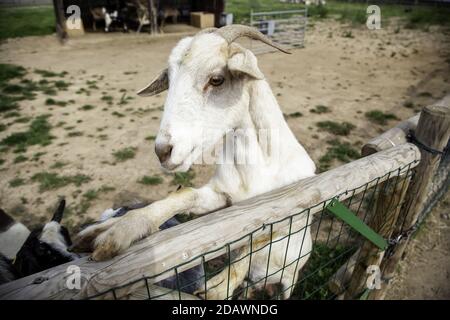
x=6 y=221
x=36 y=255
x=7 y=271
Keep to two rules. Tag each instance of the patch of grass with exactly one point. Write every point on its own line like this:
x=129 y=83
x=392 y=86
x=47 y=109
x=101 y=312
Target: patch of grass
x=16 y=182
x=20 y=158
x=91 y=194
x=23 y=120
x=150 y=138
x=125 y=154
x=183 y=178
x=3 y=127
x=10 y=71
x=50 y=74
x=12 y=114
x=150 y=180
x=87 y=107
x=26 y=21
x=340 y=129
x=295 y=115
x=241 y=8
x=50 y=181
x=118 y=114
x=53 y=102
x=8 y=103
x=37 y=134
x=408 y=104
x=58 y=165
x=108 y=99
x=322 y=264
x=342 y=151
x=75 y=134
x=348 y=34
x=319 y=109
x=425 y=94
x=379 y=117
x=83 y=90
x=37 y=156
x=351 y=12
x=61 y=85
x=124 y=99
x=106 y=188
x=103 y=137
x=319 y=11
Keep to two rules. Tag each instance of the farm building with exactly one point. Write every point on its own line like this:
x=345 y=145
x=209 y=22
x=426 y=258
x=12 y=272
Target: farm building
x=136 y=14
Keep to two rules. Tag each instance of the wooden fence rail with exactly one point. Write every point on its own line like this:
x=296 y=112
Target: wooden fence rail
x=180 y=244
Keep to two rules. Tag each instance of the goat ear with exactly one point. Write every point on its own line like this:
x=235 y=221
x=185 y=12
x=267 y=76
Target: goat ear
x=159 y=84
x=243 y=61
x=58 y=215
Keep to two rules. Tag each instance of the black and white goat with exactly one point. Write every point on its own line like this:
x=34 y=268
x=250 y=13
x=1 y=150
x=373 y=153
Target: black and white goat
x=23 y=253
x=44 y=247
x=109 y=17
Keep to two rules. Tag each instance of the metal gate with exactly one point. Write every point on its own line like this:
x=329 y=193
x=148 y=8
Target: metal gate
x=284 y=27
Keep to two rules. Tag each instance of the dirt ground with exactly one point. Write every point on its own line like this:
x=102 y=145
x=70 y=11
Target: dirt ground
x=349 y=72
x=425 y=271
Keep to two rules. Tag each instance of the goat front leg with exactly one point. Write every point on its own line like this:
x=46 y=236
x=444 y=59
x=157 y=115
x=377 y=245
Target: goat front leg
x=113 y=236
x=222 y=285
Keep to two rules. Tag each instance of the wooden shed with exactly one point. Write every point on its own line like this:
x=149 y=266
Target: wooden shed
x=184 y=7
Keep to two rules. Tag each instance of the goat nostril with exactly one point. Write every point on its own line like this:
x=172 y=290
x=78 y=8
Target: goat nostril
x=163 y=152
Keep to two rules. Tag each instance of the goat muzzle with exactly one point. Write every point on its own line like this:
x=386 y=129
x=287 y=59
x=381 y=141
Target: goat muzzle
x=163 y=151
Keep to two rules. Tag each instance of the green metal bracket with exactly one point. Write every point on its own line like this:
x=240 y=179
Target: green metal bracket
x=365 y=295
x=343 y=213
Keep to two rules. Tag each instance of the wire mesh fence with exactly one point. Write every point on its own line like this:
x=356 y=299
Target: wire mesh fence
x=296 y=257
x=286 y=27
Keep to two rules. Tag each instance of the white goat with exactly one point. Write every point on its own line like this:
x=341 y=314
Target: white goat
x=215 y=83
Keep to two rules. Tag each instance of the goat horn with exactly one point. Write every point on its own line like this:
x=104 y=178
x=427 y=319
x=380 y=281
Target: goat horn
x=232 y=32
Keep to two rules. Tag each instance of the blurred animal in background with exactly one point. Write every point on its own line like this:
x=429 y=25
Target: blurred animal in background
x=109 y=17
x=167 y=12
x=137 y=12
x=42 y=248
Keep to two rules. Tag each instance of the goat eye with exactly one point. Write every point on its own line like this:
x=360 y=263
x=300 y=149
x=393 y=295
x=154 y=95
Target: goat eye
x=216 y=80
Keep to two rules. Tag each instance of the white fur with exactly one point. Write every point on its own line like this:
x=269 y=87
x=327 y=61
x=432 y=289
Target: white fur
x=51 y=234
x=244 y=102
x=12 y=240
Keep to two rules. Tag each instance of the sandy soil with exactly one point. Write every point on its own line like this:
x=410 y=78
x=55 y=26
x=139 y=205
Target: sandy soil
x=371 y=70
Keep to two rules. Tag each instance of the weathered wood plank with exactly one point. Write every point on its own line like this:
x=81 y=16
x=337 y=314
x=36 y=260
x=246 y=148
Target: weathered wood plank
x=341 y=278
x=166 y=249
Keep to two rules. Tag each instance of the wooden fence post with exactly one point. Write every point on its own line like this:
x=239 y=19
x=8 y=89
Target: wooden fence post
x=58 y=6
x=383 y=220
x=433 y=131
